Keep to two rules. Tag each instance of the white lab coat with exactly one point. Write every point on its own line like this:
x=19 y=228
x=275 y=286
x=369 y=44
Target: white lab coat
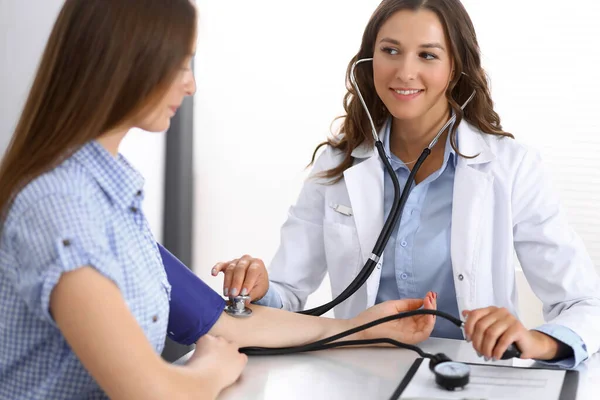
x=503 y=202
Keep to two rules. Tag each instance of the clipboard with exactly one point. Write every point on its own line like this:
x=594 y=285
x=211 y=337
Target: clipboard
x=568 y=390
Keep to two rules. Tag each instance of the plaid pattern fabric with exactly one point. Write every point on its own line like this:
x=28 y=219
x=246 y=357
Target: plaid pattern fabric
x=85 y=212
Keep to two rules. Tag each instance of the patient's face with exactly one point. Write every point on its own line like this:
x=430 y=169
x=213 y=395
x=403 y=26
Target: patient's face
x=158 y=119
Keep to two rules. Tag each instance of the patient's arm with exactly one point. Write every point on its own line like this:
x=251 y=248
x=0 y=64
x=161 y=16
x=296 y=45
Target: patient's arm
x=270 y=327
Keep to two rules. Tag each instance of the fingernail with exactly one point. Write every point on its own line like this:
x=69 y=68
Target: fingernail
x=486 y=359
x=214 y=271
x=494 y=359
x=233 y=292
x=478 y=354
x=244 y=292
x=468 y=339
x=225 y=291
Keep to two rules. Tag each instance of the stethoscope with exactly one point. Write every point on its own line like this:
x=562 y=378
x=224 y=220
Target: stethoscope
x=449 y=374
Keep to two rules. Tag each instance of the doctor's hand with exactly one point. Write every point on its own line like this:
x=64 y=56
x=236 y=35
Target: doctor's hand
x=493 y=329
x=409 y=330
x=244 y=276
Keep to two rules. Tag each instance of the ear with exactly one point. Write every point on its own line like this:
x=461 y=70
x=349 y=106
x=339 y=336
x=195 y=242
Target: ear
x=453 y=77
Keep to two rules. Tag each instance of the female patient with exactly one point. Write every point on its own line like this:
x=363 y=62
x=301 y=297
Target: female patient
x=84 y=297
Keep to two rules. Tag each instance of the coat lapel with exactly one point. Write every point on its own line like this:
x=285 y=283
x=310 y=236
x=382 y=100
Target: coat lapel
x=365 y=185
x=364 y=182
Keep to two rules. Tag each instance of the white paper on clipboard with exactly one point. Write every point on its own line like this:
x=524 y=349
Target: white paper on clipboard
x=491 y=383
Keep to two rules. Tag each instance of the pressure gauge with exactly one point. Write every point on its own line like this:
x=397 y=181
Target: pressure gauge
x=451 y=375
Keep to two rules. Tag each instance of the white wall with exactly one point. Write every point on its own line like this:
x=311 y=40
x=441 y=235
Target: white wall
x=271 y=80
x=24 y=29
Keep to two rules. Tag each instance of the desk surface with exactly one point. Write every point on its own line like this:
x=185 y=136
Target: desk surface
x=360 y=373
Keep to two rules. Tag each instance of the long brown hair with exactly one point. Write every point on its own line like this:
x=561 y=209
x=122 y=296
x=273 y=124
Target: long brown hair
x=465 y=52
x=104 y=63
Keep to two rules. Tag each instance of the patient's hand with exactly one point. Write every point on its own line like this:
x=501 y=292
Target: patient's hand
x=219 y=360
x=409 y=330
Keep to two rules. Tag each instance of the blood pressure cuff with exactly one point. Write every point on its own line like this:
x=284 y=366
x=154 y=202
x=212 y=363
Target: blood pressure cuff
x=194 y=307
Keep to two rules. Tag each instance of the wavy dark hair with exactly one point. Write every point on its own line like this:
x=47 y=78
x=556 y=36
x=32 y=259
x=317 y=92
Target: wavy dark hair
x=104 y=64
x=465 y=53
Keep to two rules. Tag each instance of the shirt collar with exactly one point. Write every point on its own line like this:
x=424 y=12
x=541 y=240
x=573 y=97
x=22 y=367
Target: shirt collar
x=117 y=178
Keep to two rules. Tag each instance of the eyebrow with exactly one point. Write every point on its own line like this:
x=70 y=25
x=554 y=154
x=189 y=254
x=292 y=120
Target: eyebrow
x=424 y=45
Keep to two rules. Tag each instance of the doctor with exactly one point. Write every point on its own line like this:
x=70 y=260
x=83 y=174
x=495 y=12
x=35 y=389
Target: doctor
x=479 y=197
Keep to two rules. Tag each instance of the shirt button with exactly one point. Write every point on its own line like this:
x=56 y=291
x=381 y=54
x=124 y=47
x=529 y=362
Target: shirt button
x=133 y=209
x=461 y=277
x=66 y=242
x=404 y=276
x=138 y=193
x=155 y=318
x=403 y=243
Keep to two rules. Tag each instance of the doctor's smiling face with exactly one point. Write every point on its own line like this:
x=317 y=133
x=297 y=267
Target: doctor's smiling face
x=412 y=65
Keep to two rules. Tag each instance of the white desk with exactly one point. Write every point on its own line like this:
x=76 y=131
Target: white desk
x=360 y=373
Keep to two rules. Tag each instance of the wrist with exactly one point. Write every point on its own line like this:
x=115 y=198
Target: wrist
x=193 y=382
x=354 y=323
x=547 y=347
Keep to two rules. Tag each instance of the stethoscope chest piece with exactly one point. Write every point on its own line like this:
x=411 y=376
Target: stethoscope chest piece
x=236 y=307
x=452 y=375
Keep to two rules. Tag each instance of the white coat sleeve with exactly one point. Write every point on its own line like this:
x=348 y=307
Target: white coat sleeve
x=299 y=265
x=553 y=257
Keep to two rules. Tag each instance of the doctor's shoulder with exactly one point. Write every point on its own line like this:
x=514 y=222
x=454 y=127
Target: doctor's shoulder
x=508 y=152
x=513 y=159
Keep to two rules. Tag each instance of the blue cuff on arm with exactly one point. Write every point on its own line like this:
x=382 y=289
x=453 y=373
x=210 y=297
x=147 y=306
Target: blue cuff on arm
x=571 y=339
x=194 y=306
x=270 y=299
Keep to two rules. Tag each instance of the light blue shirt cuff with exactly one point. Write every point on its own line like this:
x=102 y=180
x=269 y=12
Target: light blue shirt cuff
x=270 y=299
x=571 y=339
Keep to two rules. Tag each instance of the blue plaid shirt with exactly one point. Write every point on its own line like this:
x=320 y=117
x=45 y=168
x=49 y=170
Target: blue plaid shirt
x=85 y=212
